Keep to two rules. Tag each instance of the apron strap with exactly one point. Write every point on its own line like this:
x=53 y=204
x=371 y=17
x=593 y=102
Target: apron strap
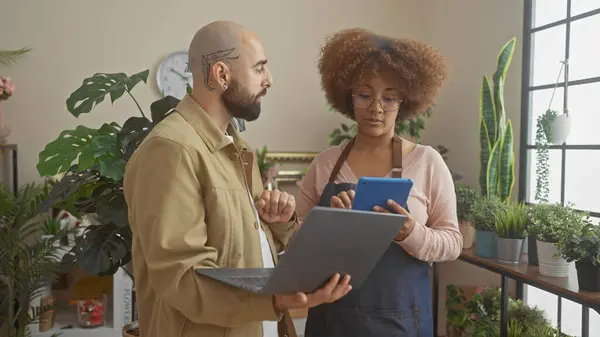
x=396 y=159
x=342 y=158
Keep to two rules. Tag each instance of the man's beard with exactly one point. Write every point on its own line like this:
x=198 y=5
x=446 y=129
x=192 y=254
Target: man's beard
x=240 y=103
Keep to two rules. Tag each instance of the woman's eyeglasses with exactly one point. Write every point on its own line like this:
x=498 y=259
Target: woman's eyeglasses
x=364 y=101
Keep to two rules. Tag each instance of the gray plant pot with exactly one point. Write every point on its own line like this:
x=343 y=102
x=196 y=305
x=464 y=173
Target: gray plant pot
x=509 y=250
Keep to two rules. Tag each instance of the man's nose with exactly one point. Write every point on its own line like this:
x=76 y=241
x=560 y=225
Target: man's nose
x=269 y=80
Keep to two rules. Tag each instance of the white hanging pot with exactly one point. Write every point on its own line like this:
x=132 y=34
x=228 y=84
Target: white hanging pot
x=561 y=127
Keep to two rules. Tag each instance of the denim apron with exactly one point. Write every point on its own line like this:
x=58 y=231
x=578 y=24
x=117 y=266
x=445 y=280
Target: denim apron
x=394 y=301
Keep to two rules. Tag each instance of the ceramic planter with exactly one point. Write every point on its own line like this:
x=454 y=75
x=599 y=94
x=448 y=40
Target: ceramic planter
x=468 y=233
x=588 y=276
x=561 y=127
x=550 y=262
x=532 y=255
x=485 y=244
x=509 y=250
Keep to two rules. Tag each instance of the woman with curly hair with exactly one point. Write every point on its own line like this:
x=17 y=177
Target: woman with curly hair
x=376 y=81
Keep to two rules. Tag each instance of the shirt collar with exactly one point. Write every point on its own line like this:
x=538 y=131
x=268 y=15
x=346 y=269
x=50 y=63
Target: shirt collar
x=206 y=128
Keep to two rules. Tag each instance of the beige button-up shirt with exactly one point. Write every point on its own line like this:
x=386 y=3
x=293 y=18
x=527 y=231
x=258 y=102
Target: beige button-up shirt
x=186 y=188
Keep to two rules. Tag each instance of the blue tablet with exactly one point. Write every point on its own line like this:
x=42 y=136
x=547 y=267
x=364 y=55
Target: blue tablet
x=374 y=191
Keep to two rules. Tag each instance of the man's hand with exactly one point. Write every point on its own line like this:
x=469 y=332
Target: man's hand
x=331 y=292
x=409 y=225
x=276 y=206
x=343 y=200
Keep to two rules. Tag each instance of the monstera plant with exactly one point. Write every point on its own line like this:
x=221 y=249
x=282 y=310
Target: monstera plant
x=497 y=159
x=92 y=162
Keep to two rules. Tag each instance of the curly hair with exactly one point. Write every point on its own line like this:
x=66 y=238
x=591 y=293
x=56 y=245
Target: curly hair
x=350 y=55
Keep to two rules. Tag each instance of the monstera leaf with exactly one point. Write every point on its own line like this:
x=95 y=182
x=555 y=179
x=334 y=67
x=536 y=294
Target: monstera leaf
x=94 y=89
x=86 y=146
x=101 y=250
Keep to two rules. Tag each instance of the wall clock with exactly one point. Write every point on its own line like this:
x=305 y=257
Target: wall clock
x=173 y=76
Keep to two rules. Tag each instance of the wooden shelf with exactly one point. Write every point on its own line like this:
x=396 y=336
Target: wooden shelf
x=565 y=287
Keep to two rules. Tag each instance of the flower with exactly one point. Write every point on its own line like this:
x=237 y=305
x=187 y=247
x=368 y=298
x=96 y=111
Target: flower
x=7 y=88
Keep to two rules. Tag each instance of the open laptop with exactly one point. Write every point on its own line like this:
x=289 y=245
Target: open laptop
x=330 y=241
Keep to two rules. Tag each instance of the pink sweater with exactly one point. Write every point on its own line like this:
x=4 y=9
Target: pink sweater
x=432 y=201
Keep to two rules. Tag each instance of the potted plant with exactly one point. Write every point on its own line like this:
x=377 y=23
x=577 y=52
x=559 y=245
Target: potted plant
x=583 y=246
x=510 y=227
x=29 y=262
x=268 y=170
x=483 y=218
x=465 y=200
x=549 y=223
x=92 y=162
x=497 y=159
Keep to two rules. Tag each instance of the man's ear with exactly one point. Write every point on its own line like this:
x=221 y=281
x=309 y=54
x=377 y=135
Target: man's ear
x=221 y=74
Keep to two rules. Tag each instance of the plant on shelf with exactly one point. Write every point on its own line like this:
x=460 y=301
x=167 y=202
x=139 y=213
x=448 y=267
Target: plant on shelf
x=29 y=263
x=266 y=168
x=92 y=162
x=465 y=199
x=483 y=215
x=497 y=159
x=582 y=245
x=543 y=134
x=550 y=223
x=511 y=224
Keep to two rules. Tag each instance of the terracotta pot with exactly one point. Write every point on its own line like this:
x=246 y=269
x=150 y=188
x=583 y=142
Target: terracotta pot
x=468 y=232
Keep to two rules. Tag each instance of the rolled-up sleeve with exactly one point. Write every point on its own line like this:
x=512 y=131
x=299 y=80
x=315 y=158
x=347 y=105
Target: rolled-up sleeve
x=167 y=216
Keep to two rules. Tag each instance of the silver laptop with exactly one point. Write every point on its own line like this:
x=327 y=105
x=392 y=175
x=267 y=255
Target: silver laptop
x=330 y=241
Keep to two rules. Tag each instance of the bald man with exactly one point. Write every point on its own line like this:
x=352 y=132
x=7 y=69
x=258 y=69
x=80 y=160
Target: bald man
x=195 y=200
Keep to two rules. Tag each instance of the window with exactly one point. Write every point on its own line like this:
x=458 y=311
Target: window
x=556 y=31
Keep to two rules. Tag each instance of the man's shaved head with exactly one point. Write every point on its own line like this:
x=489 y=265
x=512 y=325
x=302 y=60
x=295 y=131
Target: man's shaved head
x=227 y=59
x=219 y=41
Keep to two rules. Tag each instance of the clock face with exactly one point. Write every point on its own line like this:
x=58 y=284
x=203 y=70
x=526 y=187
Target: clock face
x=173 y=76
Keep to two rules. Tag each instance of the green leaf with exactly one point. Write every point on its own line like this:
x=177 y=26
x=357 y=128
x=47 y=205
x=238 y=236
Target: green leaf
x=101 y=250
x=487 y=131
x=161 y=108
x=492 y=170
x=106 y=148
x=94 y=89
x=133 y=133
x=60 y=154
x=11 y=57
x=504 y=59
x=506 y=174
x=499 y=111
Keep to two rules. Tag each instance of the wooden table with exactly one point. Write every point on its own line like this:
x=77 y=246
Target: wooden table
x=529 y=274
x=9 y=167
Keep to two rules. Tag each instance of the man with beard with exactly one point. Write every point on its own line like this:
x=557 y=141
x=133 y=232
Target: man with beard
x=195 y=200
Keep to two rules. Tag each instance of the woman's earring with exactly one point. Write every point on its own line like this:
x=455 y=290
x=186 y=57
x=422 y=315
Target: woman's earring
x=224 y=86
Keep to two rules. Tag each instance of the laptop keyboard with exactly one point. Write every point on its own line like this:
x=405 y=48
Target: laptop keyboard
x=250 y=282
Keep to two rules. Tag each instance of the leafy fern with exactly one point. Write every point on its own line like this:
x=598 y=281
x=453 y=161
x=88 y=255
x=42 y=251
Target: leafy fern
x=10 y=57
x=28 y=265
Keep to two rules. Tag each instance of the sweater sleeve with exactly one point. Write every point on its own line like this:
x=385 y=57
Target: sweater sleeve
x=309 y=193
x=439 y=239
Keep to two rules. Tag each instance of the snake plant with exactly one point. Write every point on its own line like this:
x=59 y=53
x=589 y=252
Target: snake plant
x=497 y=159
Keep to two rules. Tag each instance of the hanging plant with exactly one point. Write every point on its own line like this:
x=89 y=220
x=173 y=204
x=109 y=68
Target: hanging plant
x=543 y=135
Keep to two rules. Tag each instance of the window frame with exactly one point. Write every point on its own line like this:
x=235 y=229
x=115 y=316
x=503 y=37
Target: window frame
x=527 y=149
